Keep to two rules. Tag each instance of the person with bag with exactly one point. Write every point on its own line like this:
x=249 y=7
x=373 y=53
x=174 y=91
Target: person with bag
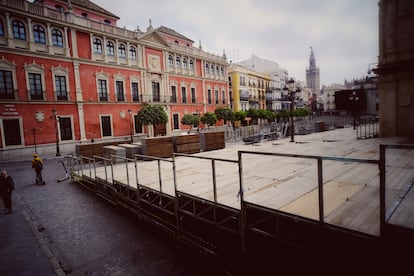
x=37 y=165
x=7 y=187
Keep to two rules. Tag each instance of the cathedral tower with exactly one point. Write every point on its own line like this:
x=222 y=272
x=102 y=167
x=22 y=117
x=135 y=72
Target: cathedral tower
x=312 y=75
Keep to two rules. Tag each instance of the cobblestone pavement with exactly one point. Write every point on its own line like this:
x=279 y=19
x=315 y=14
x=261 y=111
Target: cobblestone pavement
x=81 y=234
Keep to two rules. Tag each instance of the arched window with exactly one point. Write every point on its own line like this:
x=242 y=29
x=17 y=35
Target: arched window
x=170 y=61
x=212 y=69
x=121 y=51
x=222 y=71
x=57 y=38
x=207 y=68
x=185 y=63
x=1 y=28
x=132 y=52
x=97 y=46
x=110 y=51
x=39 y=34
x=191 y=65
x=19 y=30
x=217 y=70
x=107 y=22
x=178 y=62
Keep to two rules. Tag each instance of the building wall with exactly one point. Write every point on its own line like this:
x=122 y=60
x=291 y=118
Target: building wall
x=396 y=67
x=82 y=68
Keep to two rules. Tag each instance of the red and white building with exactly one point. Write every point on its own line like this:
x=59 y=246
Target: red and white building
x=69 y=75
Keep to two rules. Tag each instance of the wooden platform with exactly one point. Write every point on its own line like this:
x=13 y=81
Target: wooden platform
x=351 y=190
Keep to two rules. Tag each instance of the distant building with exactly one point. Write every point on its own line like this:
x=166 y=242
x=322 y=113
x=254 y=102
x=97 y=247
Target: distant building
x=312 y=75
x=276 y=98
x=328 y=96
x=247 y=88
x=396 y=67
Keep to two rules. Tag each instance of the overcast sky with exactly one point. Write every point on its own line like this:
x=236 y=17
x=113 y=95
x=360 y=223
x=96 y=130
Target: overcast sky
x=342 y=33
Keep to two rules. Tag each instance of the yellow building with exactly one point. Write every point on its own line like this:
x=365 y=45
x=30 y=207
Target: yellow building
x=247 y=88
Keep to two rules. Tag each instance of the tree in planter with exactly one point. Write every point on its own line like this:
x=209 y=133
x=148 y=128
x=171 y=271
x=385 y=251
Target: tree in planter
x=209 y=118
x=190 y=120
x=152 y=115
x=240 y=116
x=225 y=114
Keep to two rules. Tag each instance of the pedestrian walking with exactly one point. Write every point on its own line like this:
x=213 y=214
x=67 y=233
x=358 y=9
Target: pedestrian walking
x=37 y=165
x=7 y=187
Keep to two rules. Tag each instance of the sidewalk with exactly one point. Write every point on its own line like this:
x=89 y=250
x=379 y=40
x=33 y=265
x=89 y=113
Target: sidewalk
x=24 y=246
x=21 y=251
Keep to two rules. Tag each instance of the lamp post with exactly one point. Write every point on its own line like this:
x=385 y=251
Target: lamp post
x=130 y=123
x=292 y=89
x=34 y=139
x=56 y=118
x=353 y=98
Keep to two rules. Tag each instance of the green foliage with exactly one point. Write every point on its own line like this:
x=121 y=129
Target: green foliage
x=224 y=113
x=240 y=115
x=190 y=120
x=152 y=115
x=209 y=118
x=301 y=112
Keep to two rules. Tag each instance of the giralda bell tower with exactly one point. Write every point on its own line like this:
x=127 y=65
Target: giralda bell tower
x=312 y=75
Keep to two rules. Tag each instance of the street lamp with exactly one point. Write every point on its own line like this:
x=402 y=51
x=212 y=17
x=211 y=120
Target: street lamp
x=353 y=99
x=292 y=89
x=34 y=138
x=56 y=118
x=130 y=123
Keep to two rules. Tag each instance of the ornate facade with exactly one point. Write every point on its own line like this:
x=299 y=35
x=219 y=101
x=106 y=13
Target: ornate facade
x=69 y=75
x=312 y=75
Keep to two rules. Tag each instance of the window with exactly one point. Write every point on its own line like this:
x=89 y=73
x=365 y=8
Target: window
x=65 y=125
x=170 y=61
x=209 y=96
x=110 y=51
x=173 y=94
x=176 y=121
x=84 y=15
x=137 y=124
x=106 y=126
x=61 y=90
x=35 y=84
x=39 y=34
x=207 y=68
x=132 y=52
x=178 y=62
x=57 y=38
x=193 y=95
x=155 y=91
x=222 y=71
x=122 y=51
x=1 y=28
x=59 y=8
x=185 y=63
x=107 y=22
x=11 y=130
x=97 y=46
x=216 y=96
x=119 y=91
x=191 y=65
x=102 y=91
x=183 y=94
x=217 y=70
x=6 y=85
x=135 y=92
x=223 y=96
x=212 y=69
x=19 y=31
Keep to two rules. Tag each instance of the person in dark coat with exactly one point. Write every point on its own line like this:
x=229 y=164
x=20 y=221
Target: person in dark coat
x=7 y=187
